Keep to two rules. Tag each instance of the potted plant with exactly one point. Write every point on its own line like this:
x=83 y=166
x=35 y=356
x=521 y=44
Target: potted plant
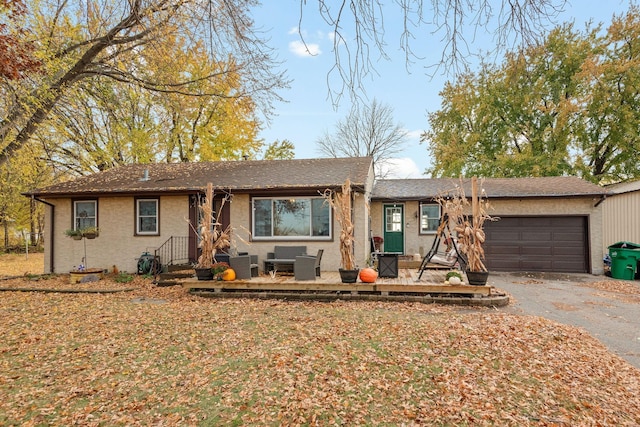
x=340 y=202
x=82 y=271
x=469 y=228
x=212 y=237
x=89 y=232
x=218 y=269
x=74 y=234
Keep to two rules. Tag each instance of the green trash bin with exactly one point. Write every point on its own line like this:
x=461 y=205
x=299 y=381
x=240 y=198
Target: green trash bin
x=625 y=257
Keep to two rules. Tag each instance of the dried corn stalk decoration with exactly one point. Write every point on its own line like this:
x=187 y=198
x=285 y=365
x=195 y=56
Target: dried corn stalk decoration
x=470 y=230
x=341 y=204
x=212 y=237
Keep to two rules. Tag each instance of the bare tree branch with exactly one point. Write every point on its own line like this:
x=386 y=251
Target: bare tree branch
x=366 y=131
x=359 y=30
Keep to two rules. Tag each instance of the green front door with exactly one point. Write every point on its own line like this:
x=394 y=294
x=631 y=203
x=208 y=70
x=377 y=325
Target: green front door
x=394 y=228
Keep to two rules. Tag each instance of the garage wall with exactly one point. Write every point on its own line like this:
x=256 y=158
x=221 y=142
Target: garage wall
x=621 y=220
x=416 y=243
x=539 y=243
x=561 y=207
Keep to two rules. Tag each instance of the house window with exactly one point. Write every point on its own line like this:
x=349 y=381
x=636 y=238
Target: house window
x=85 y=214
x=429 y=218
x=147 y=216
x=291 y=218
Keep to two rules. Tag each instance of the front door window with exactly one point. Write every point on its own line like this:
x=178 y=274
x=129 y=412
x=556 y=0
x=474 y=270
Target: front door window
x=394 y=228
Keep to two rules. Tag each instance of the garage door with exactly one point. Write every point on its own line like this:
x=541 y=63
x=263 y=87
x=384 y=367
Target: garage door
x=553 y=244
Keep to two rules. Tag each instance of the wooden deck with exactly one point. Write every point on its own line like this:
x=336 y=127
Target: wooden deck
x=329 y=286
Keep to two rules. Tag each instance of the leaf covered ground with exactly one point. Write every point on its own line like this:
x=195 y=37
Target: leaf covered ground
x=160 y=356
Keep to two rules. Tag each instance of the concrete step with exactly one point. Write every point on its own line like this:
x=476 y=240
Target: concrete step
x=174 y=276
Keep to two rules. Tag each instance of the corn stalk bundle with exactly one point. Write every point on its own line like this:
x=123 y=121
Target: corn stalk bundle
x=212 y=237
x=341 y=204
x=469 y=229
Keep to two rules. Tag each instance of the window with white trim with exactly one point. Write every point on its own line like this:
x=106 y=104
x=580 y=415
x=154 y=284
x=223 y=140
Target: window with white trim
x=85 y=214
x=291 y=218
x=147 y=216
x=429 y=218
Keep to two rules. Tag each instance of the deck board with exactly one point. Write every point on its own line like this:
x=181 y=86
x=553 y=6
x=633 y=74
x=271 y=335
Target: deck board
x=432 y=282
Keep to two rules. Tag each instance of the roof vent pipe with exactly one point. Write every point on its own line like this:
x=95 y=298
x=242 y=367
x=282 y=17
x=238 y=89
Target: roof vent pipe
x=145 y=175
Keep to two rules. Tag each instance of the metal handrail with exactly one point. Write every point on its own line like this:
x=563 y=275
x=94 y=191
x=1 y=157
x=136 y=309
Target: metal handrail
x=174 y=251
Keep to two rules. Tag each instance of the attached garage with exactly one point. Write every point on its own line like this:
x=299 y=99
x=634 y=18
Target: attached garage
x=547 y=224
x=541 y=243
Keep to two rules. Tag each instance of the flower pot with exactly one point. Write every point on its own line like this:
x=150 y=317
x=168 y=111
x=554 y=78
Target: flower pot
x=77 y=276
x=477 y=278
x=349 y=276
x=90 y=235
x=204 y=274
x=77 y=237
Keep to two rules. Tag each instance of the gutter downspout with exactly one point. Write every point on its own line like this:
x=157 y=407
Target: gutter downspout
x=51 y=242
x=602 y=199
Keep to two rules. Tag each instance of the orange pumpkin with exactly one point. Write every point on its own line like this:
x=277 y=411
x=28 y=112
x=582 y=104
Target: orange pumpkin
x=229 y=274
x=368 y=275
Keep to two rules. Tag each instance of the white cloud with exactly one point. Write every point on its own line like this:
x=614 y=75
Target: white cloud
x=414 y=134
x=299 y=48
x=401 y=168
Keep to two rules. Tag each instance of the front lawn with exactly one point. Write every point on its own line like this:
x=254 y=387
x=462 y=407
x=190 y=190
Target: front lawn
x=159 y=356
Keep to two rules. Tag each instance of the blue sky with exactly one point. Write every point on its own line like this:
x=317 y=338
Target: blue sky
x=309 y=113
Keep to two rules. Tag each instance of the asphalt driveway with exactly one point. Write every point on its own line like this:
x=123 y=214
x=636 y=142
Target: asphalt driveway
x=608 y=313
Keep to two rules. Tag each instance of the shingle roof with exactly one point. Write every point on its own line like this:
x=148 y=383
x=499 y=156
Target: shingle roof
x=231 y=175
x=624 y=187
x=421 y=189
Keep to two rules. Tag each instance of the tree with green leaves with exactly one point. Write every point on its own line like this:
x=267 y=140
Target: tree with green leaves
x=18 y=175
x=104 y=40
x=567 y=106
x=279 y=150
x=106 y=123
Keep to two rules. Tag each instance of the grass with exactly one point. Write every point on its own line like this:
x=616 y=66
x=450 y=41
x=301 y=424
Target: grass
x=21 y=264
x=107 y=359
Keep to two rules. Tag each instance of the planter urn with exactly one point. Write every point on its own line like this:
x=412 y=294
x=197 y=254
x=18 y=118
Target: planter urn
x=477 y=278
x=204 y=273
x=349 y=276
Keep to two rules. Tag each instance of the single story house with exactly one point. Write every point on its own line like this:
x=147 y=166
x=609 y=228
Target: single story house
x=551 y=224
x=153 y=207
x=546 y=224
x=621 y=214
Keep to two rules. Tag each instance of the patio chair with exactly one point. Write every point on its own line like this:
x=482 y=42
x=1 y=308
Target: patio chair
x=245 y=266
x=307 y=267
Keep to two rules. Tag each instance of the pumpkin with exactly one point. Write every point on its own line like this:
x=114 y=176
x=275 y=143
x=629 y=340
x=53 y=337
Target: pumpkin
x=229 y=274
x=368 y=275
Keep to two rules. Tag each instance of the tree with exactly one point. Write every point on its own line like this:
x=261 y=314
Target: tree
x=16 y=50
x=20 y=174
x=104 y=123
x=568 y=106
x=608 y=147
x=103 y=40
x=279 y=150
x=366 y=131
